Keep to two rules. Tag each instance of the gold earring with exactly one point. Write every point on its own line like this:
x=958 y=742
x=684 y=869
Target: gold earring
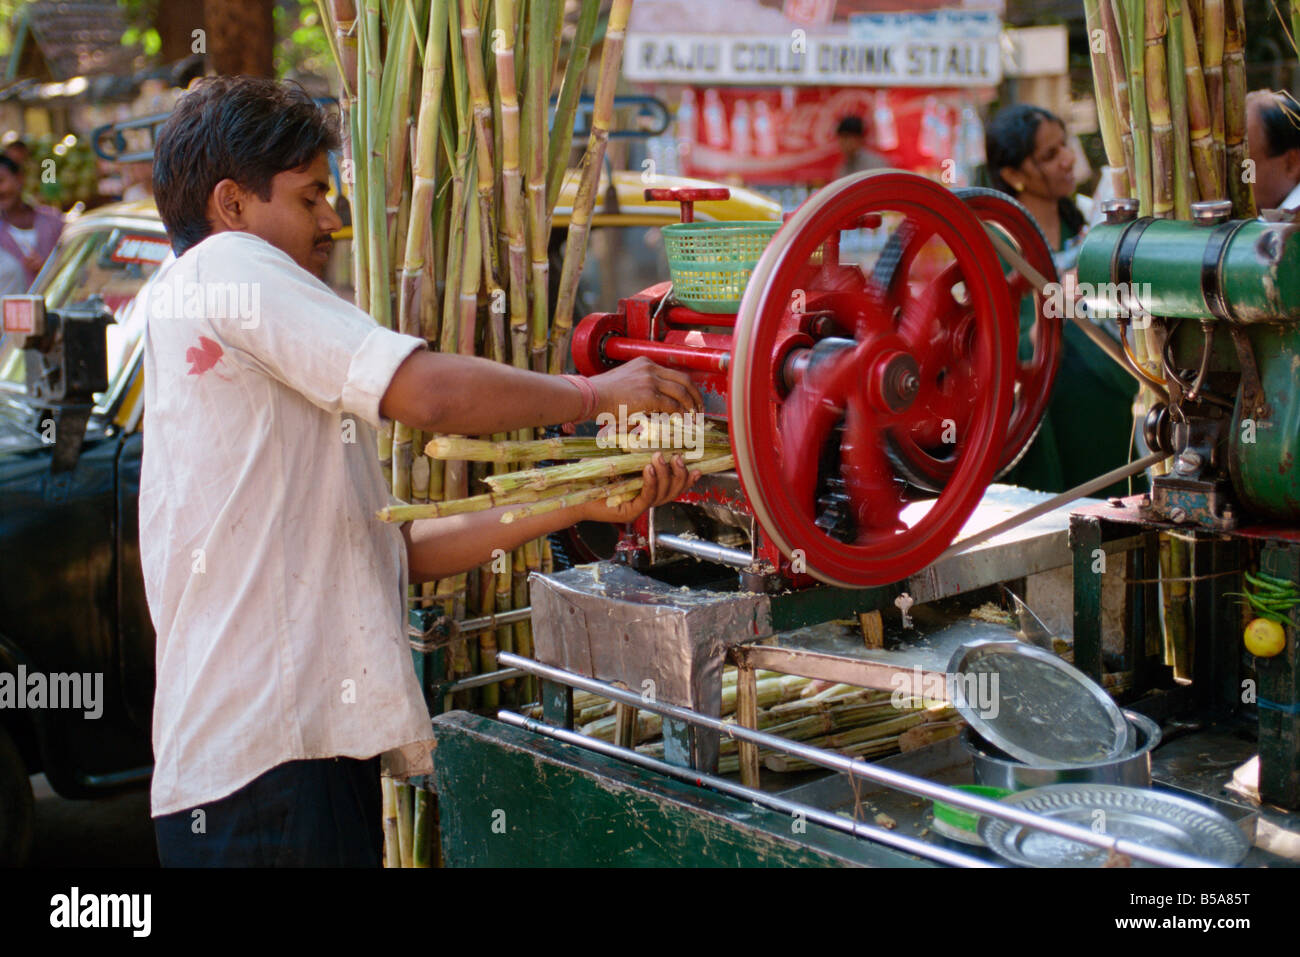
x=1018 y=187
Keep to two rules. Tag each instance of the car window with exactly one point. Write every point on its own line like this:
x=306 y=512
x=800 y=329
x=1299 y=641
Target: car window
x=113 y=263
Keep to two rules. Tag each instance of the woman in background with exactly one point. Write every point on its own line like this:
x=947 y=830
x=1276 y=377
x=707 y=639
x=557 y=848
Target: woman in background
x=28 y=234
x=1088 y=426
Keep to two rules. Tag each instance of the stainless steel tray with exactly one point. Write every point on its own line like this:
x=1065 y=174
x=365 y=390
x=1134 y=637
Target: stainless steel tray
x=1146 y=817
x=1034 y=706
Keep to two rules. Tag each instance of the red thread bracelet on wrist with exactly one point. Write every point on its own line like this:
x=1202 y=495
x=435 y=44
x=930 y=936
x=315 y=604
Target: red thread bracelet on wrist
x=589 y=399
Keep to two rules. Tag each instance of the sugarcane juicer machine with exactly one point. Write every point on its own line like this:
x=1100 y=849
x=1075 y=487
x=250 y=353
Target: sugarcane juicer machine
x=1218 y=302
x=850 y=388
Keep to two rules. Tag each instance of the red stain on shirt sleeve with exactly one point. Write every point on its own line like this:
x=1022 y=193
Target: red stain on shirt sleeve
x=204 y=356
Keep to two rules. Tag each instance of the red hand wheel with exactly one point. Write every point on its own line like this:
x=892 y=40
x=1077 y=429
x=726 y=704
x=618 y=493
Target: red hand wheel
x=813 y=461
x=923 y=457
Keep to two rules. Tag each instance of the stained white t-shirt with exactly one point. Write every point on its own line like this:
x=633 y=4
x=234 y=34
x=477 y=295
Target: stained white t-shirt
x=278 y=598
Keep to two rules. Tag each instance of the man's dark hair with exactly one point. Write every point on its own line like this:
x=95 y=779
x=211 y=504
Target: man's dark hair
x=850 y=126
x=10 y=165
x=242 y=128
x=1279 y=114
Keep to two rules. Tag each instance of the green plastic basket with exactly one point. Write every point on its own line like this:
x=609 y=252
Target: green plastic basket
x=710 y=263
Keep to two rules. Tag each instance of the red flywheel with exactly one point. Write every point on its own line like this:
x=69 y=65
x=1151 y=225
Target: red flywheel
x=812 y=427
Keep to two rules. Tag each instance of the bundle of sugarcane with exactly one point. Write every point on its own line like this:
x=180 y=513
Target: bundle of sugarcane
x=454 y=161
x=1170 y=85
x=839 y=717
x=1170 y=82
x=601 y=470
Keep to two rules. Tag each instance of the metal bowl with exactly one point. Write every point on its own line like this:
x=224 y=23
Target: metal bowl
x=1132 y=769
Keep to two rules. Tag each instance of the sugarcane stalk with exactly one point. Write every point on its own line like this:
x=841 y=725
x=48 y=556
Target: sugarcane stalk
x=1212 y=49
x=423 y=176
x=394 y=106
x=1116 y=57
x=482 y=118
x=1157 y=95
x=1295 y=25
x=520 y=638
x=1108 y=123
x=592 y=468
x=581 y=496
x=537 y=104
x=422 y=853
x=392 y=842
x=1184 y=185
x=512 y=199
x=1209 y=185
x=566 y=108
x=1135 y=44
x=397 y=514
x=575 y=247
x=1241 y=188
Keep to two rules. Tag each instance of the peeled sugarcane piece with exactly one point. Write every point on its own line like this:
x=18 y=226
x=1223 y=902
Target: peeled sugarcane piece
x=579 y=497
x=928 y=734
x=1162 y=131
x=537 y=450
x=1241 y=189
x=1208 y=182
x=593 y=468
x=396 y=514
x=788 y=764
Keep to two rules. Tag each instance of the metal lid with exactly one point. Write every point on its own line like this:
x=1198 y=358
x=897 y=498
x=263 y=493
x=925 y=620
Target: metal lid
x=1034 y=706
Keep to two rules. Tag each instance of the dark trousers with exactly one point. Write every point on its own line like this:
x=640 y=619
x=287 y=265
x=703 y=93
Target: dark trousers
x=321 y=813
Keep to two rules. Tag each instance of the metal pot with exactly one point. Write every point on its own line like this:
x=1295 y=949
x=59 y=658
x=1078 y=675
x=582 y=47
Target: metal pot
x=1132 y=769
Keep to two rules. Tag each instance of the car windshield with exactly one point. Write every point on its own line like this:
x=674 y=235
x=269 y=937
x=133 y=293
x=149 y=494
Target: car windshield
x=114 y=263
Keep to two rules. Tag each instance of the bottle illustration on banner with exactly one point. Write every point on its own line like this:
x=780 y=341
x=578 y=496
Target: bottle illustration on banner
x=686 y=120
x=882 y=121
x=741 y=142
x=764 y=132
x=715 y=120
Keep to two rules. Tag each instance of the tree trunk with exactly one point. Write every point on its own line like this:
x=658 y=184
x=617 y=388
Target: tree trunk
x=176 y=22
x=241 y=36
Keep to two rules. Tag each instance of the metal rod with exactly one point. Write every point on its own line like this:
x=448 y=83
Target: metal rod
x=707 y=551
x=618 y=349
x=490 y=622
x=478 y=681
x=911 y=845
x=1055 y=502
x=861 y=769
x=1040 y=283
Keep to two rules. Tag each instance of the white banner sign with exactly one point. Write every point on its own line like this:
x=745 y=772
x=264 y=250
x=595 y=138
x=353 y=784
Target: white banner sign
x=814 y=60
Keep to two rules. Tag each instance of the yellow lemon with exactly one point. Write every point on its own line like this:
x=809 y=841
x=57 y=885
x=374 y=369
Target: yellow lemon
x=1264 y=638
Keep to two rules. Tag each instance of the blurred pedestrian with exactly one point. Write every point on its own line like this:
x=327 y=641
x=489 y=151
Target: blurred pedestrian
x=856 y=157
x=16 y=149
x=28 y=234
x=1088 y=426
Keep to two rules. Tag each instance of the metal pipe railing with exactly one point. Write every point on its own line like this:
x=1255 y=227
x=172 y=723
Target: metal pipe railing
x=856 y=767
x=911 y=845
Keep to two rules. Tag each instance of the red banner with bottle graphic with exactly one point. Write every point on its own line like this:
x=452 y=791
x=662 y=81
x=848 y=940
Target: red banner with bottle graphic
x=787 y=135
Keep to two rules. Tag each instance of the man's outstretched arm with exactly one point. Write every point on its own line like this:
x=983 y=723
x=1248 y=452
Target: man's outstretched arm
x=441 y=547
x=464 y=395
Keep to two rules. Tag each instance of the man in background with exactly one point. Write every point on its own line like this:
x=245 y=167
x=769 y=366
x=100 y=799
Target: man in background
x=1273 y=136
x=853 y=145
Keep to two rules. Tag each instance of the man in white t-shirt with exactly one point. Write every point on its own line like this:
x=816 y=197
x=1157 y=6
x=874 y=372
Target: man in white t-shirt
x=278 y=598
